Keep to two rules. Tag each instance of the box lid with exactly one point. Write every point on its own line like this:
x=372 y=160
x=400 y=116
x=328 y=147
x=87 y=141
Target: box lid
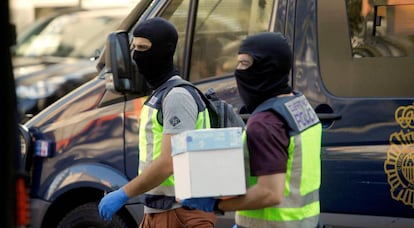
x=207 y=139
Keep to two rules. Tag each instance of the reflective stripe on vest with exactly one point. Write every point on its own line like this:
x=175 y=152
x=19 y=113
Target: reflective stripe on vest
x=300 y=205
x=150 y=139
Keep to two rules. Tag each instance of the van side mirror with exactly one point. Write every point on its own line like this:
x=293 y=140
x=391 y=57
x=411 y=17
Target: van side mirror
x=122 y=74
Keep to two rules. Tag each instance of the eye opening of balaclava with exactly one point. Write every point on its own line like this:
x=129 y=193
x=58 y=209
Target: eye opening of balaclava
x=268 y=76
x=156 y=64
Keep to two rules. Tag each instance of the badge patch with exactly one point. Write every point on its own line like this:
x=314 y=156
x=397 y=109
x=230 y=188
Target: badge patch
x=174 y=121
x=399 y=165
x=302 y=112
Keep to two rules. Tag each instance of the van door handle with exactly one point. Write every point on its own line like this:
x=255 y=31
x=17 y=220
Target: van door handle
x=329 y=116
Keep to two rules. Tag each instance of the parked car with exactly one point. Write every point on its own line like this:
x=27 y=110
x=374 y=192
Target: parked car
x=346 y=62
x=57 y=54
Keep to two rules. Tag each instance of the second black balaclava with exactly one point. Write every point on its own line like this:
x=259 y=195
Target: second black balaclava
x=156 y=64
x=268 y=76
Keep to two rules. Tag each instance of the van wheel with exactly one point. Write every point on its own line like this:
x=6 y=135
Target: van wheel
x=87 y=215
x=365 y=51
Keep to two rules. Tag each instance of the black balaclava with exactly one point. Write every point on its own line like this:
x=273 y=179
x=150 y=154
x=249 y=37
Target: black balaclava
x=268 y=76
x=156 y=64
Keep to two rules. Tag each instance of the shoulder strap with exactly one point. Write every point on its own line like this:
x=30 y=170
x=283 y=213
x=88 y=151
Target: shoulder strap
x=169 y=85
x=174 y=83
x=180 y=82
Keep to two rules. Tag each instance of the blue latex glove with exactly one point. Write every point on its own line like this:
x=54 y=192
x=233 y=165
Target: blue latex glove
x=111 y=203
x=205 y=204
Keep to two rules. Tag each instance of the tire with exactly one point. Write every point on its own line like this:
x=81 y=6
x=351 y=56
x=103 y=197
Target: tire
x=365 y=51
x=87 y=216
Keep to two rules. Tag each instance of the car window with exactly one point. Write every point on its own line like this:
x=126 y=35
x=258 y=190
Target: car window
x=367 y=47
x=77 y=35
x=211 y=21
x=381 y=30
x=177 y=14
x=220 y=26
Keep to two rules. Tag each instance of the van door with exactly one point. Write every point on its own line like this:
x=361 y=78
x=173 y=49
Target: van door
x=209 y=37
x=354 y=62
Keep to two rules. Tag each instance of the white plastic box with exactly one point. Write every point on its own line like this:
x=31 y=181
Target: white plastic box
x=208 y=163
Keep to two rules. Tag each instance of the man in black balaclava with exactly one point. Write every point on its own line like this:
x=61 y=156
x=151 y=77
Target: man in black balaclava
x=283 y=139
x=155 y=60
x=268 y=76
x=161 y=117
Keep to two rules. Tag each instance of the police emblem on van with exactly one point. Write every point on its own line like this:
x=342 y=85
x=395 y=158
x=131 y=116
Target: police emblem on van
x=399 y=165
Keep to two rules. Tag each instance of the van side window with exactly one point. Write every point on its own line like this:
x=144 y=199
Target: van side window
x=177 y=13
x=360 y=56
x=381 y=30
x=220 y=26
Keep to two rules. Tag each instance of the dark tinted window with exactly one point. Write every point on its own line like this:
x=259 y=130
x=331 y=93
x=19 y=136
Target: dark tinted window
x=355 y=61
x=177 y=13
x=220 y=27
x=381 y=30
